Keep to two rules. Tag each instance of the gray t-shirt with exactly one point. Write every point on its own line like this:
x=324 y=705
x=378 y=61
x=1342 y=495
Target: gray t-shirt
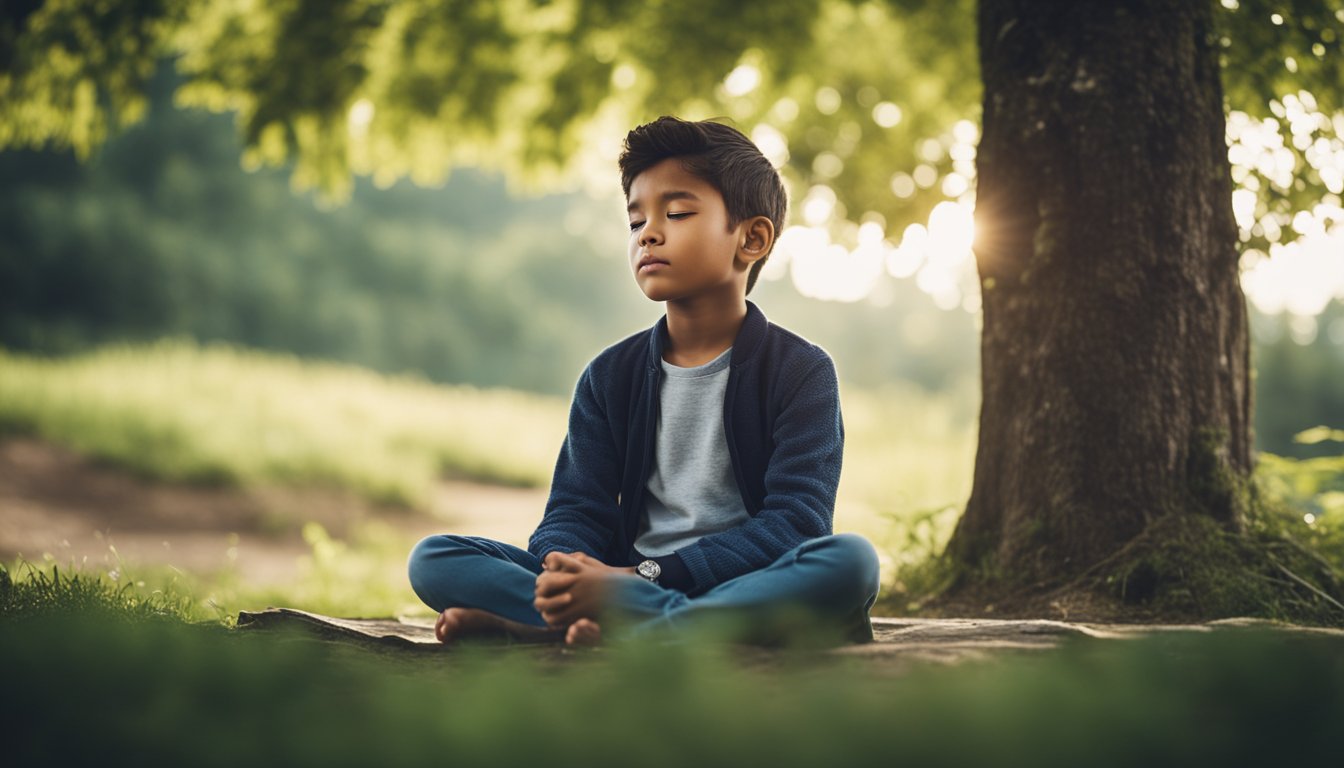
x=691 y=491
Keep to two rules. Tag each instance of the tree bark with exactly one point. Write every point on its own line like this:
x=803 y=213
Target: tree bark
x=1114 y=355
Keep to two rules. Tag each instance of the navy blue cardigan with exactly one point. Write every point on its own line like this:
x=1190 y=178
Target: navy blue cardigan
x=781 y=414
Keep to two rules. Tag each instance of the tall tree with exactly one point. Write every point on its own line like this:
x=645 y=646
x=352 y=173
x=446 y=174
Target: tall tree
x=1115 y=435
x=1115 y=432
x=1114 y=356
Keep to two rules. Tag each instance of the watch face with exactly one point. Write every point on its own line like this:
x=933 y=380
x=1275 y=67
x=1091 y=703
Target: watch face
x=649 y=570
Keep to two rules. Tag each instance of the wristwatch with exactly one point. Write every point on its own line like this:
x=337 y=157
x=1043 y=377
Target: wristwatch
x=649 y=569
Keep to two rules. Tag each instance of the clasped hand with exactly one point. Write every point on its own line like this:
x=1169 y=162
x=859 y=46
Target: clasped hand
x=573 y=586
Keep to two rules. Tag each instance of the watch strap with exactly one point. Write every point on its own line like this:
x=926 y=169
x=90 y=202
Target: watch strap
x=675 y=574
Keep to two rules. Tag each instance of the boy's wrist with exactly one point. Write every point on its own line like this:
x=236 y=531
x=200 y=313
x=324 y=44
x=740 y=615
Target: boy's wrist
x=672 y=572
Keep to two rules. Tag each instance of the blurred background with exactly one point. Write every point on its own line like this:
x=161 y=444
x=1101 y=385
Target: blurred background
x=221 y=372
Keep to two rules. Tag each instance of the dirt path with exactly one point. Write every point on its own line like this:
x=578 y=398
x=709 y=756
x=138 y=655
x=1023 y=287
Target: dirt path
x=55 y=503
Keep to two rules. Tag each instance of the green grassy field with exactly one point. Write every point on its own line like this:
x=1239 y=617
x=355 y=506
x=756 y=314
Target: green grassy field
x=101 y=674
x=182 y=413
x=108 y=653
x=218 y=415
x=363 y=574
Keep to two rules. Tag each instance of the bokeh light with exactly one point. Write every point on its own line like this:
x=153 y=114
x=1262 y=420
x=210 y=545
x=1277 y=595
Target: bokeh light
x=1300 y=278
x=742 y=80
x=772 y=143
x=361 y=114
x=887 y=114
x=1298 y=273
x=834 y=259
x=938 y=256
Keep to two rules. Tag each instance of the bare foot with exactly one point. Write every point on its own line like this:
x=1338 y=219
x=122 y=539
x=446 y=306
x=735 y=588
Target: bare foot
x=457 y=623
x=584 y=632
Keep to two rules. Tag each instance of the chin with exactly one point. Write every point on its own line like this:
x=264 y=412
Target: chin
x=652 y=293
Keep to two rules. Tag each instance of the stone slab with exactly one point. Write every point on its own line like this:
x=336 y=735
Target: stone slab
x=947 y=640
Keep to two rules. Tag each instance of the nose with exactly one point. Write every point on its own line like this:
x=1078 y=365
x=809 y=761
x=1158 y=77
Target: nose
x=650 y=234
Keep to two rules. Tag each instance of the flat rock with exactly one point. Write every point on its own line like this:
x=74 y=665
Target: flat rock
x=940 y=640
x=390 y=633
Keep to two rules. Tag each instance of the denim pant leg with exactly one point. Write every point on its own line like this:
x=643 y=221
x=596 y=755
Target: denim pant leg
x=450 y=571
x=834 y=579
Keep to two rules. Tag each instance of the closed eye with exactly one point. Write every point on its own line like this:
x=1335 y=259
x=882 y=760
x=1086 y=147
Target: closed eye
x=675 y=216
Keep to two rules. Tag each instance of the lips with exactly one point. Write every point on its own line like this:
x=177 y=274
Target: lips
x=650 y=262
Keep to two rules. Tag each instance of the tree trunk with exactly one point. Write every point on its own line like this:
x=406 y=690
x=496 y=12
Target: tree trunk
x=1114 y=355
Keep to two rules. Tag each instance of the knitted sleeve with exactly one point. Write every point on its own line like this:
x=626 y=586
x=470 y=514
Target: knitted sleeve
x=583 y=508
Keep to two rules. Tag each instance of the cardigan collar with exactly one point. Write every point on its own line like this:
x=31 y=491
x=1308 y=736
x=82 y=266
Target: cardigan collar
x=748 y=340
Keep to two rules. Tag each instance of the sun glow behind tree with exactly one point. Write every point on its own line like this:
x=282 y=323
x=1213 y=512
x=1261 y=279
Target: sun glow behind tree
x=833 y=258
x=1298 y=278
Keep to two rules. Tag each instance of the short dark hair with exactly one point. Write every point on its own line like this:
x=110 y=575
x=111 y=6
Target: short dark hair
x=720 y=155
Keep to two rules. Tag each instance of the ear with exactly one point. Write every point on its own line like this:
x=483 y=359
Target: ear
x=758 y=234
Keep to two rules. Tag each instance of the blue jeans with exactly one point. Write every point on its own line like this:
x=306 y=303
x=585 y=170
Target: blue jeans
x=828 y=582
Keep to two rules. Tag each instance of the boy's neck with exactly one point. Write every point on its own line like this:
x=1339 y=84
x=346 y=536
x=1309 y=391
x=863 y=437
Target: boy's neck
x=700 y=332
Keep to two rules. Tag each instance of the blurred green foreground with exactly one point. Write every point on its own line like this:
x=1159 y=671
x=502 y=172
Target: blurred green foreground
x=100 y=675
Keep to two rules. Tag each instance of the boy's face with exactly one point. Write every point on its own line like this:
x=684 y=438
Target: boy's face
x=681 y=247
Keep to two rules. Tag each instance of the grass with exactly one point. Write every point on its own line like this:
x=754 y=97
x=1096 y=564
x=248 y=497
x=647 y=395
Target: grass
x=1307 y=499
x=909 y=456
x=363 y=574
x=182 y=413
x=110 y=656
x=170 y=693
x=179 y=412
x=28 y=593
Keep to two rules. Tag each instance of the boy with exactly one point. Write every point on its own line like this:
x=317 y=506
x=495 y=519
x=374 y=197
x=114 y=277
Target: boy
x=697 y=480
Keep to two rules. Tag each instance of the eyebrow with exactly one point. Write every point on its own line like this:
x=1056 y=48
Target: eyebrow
x=672 y=194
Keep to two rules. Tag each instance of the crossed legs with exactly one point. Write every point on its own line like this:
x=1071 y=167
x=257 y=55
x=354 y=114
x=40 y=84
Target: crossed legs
x=481 y=586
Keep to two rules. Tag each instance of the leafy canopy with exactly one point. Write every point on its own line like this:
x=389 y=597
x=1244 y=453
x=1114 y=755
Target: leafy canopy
x=876 y=101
